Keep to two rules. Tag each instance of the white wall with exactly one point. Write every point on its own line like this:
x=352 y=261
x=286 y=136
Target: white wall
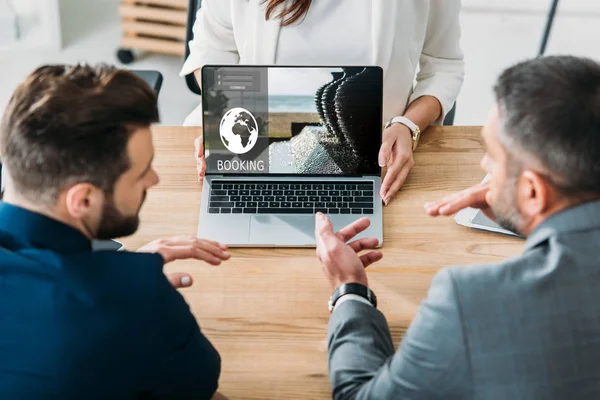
x=39 y=24
x=542 y=6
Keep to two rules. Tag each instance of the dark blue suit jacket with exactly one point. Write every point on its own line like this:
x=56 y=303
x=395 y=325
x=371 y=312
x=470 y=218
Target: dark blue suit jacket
x=77 y=324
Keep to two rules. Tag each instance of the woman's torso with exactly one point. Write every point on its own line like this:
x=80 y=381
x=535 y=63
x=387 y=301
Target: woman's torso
x=349 y=32
x=318 y=39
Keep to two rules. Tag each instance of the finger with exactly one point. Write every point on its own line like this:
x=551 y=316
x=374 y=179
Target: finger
x=472 y=197
x=211 y=243
x=487 y=211
x=353 y=229
x=323 y=227
x=454 y=196
x=392 y=173
x=180 y=280
x=191 y=239
x=385 y=152
x=190 y=251
x=212 y=249
x=199 y=147
x=323 y=233
x=445 y=200
x=172 y=253
x=398 y=182
x=199 y=155
x=207 y=257
x=364 y=244
x=370 y=258
x=180 y=240
x=201 y=167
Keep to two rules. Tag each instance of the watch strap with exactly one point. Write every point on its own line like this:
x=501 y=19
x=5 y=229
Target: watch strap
x=352 y=288
x=404 y=121
x=414 y=128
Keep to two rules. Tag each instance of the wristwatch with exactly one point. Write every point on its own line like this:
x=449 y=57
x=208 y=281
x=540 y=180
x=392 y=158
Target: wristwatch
x=352 y=288
x=414 y=128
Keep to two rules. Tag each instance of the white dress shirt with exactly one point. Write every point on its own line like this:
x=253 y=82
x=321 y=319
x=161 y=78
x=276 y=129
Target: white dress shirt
x=350 y=296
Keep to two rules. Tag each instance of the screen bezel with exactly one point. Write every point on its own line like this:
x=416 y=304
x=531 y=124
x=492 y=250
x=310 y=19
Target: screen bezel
x=202 y=73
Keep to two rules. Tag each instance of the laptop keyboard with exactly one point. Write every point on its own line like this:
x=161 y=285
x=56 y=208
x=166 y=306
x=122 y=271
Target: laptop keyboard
x=247 y=197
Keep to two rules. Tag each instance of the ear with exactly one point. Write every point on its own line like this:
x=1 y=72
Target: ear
x=83 y=199
x=533 y=193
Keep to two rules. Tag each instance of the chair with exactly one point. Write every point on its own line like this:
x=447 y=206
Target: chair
x=153 y=78
x=449 y=119
x=193 y=7
x=549 y=21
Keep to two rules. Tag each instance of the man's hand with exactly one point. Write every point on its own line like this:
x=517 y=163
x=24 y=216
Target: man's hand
x=180 y=280
x=341 y=262
x=476 y=196
x=396 y=153
x=185 y=247
x=199 y=155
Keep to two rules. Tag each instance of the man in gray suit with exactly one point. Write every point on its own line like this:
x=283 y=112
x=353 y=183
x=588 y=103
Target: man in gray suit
x=527 y=328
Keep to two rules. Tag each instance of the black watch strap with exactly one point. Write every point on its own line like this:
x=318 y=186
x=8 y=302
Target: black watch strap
x=352 y=288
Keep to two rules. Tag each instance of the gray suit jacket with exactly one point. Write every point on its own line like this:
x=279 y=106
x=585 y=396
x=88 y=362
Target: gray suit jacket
x=528 y=328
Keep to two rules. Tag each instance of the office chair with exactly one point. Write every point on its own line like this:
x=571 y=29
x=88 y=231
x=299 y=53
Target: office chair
x=193 y=7
x=152 y=78
x=449 y=119
x=549 y=21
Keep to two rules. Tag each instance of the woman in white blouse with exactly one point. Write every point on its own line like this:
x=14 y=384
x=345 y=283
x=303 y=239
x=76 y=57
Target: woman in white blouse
x=416 y=42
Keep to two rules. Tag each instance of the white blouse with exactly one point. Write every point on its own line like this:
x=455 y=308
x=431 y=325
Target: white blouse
x=416 y=42
x=296 y=43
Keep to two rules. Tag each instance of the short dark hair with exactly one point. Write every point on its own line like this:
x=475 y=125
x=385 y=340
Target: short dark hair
x=70 y=124
x=550 y=107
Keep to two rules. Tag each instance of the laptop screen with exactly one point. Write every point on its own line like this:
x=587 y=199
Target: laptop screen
x=292 y=120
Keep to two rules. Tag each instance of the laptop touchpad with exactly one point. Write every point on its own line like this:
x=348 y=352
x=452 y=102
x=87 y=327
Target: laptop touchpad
x=282 y=230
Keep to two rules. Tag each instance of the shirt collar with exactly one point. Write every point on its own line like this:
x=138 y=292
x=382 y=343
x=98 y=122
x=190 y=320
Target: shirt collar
x=582 y=217
x=41 y=231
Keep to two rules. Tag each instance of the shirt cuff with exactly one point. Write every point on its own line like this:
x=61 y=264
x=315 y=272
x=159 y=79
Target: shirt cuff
x=351 y=296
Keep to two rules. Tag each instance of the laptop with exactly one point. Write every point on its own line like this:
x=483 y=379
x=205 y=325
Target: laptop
x=282 y=143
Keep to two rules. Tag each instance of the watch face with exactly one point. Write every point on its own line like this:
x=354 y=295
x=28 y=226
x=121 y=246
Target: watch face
x=416 y=137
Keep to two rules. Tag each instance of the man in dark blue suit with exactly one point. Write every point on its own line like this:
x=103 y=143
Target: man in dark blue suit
x=76 y=324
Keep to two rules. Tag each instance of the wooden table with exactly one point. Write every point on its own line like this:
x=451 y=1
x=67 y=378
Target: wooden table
x=265 y=310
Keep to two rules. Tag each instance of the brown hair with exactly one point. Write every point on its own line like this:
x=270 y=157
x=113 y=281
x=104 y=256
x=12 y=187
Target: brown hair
x=70 y=124
x=289 y=15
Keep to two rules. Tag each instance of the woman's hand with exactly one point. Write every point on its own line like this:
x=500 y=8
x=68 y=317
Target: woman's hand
x=199 y=155
x=396 y=153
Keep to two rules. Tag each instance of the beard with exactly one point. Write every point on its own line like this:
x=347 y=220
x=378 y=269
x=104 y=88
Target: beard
x=114 y=224
x=505 y=209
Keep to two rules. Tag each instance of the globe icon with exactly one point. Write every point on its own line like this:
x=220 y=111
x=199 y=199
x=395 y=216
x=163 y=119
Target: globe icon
x=238 y=130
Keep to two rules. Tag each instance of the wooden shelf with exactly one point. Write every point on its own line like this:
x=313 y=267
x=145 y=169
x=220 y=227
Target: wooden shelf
x=154 y=29
x=154 y=25
x=181 y=4
x=153 y=45
x=153 y=14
